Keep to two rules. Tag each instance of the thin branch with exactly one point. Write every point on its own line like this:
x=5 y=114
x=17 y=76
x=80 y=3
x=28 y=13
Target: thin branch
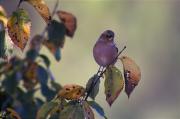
x=55 y=8
x=19 y=4
x=101 y=74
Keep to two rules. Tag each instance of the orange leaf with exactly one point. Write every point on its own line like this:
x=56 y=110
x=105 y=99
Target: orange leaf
x=71 y=92
x=132 y=74
x=42 y=9
x=13 y=114
x=70 y=22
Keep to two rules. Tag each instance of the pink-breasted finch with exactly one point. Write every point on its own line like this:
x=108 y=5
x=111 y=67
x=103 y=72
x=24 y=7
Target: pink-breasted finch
x=105 y=51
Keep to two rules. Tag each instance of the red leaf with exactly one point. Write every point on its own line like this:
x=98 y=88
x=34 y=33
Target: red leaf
x=70 y=22
x=132 y=74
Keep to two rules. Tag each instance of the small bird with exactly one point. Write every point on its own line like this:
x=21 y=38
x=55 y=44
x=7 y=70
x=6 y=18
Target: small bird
x=105 y=50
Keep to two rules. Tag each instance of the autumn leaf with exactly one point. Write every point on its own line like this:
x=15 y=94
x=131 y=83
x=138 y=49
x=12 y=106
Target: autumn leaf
x=114 y=84
x=19 y=28
x=12 y=114
x=71 y=92
x=72 y=111
x=88 y=113
x=42 y=9
x=132 y=74
x=30 y=75
x=3 y=16
x=70 y=22
x=48 y=108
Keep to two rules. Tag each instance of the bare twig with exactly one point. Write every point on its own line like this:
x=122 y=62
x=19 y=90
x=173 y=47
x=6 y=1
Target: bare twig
x=19 y=4
x=55 y=8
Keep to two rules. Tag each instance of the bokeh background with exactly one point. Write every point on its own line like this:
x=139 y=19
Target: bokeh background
x=151 y=31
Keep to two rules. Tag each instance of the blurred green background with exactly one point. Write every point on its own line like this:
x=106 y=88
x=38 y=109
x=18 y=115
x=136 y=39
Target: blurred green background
x=151 y=31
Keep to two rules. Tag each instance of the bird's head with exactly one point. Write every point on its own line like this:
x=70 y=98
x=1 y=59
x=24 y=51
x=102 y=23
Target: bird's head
x=107 y=35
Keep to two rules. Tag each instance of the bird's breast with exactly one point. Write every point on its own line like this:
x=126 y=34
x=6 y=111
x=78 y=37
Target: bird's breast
x=104 y=53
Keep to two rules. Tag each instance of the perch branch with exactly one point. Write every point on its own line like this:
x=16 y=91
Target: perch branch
x=101 y=74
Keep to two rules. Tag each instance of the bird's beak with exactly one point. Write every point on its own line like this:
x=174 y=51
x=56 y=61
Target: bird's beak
x=111 y=38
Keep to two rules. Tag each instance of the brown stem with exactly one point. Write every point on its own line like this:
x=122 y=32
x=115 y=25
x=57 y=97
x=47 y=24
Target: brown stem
x=19 y=4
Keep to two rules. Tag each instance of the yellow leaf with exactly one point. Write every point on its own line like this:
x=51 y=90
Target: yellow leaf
x=3 y=15
x=2 y=11
x=19 y=28
x=42 y=9
x=114 y=84
x=71 y=92
x=132 y=74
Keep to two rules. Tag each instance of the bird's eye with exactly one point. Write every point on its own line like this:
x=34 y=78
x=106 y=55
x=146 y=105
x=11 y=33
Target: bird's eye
x=108 y=36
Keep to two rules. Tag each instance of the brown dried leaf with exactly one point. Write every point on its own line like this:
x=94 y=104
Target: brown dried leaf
x=132 y=74
x=71 y=92
x=42 y=9
x=70 y=22
x=13 y=114
x=88 y=113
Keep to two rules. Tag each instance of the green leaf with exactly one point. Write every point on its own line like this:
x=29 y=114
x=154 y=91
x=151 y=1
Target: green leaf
x=2 y=41
x=45 y=59
x=56 y=38
x=31 y=54
x=98 y=108
x=56 y=33
x=42 y=75
x=114 y=84
x=72 y=111
x=48 y=108
x=10 y=83
x=95 y=89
